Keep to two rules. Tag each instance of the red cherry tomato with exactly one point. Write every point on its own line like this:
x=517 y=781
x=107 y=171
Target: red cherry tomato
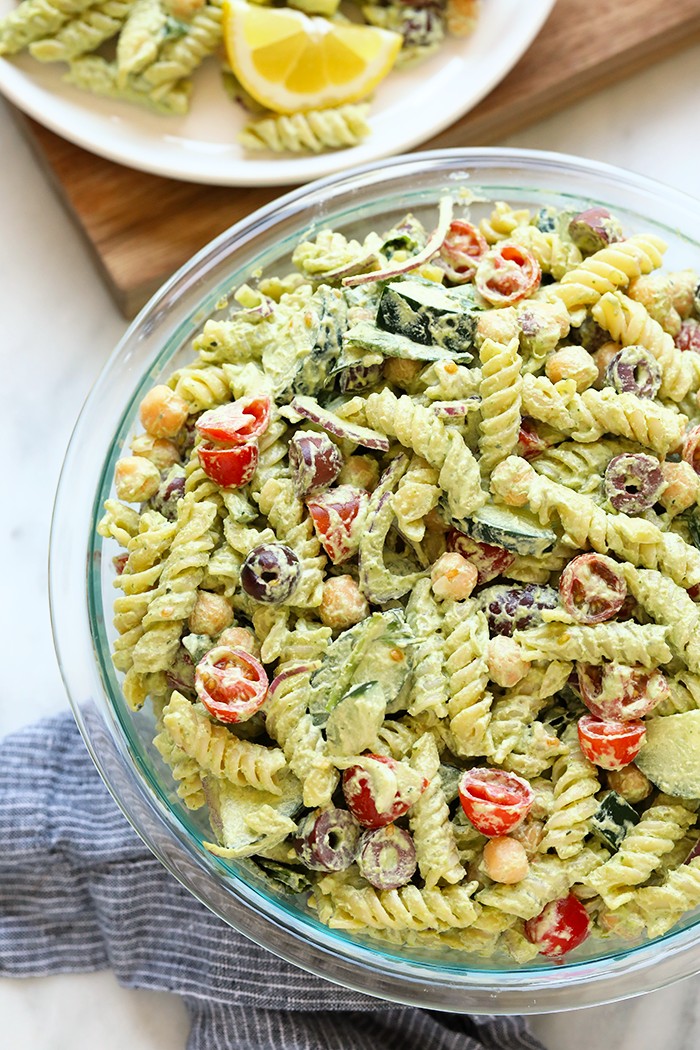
x=691 y=448
x=495 y=801
x=616 y=691
x=610 y=744
x=119 y=562
x=462 y=249
x=229 y=467
x=592 y=588
x=530 y=442
x=490 y=561
x=689 y=336
x=231 y=683
x=507 y=274
x=362 y=790
x=560 y=927
x=338 y=515
x=237 y=422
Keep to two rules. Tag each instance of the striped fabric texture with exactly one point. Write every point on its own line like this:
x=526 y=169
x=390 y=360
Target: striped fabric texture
x=80 y=892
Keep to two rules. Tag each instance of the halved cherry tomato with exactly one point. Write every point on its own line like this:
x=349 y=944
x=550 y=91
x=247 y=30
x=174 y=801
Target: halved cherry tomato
x=691 y=448
x=238 y=422
x=490 y=561
x=507 y=274
x=495 y=801
x=560 y=927
x=616 y=691
x=119 y=562
x=362 y=791
x=338 y=516
x=610 y=744
x=462 y=249
x=231 y=683
x=530 y=442
x=592 y=588
x=229 y=467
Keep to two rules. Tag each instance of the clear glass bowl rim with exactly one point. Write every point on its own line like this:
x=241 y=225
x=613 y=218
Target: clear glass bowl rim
x=589 y=982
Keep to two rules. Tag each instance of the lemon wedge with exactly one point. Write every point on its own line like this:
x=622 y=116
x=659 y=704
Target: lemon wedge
x=291 y=62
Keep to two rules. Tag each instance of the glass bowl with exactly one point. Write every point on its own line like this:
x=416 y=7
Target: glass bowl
x=81 y=572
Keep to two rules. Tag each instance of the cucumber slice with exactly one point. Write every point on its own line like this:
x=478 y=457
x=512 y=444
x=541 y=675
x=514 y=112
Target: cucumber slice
x=354 y=722
x=670 y=756
x=230 y=806
x=378 y=649
x=392 y=344
x=614 y=819
x=517 y=530
x=428 y=313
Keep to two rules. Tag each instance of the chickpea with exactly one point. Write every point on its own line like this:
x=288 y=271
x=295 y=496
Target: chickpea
x=681 y=489
x=163 y=412
x=510 y=481
x=212 y=613
x=653 y=290
x=572 y=362
x=163 y=453
x=505 y=660
x=505 y=860
x=342 y=603
x=136 y=479
x=681 y=286
x=401 y=372
x=453 y=576
x=240 y=638
x=360 y=471
x=602 y=357
x=630 y=782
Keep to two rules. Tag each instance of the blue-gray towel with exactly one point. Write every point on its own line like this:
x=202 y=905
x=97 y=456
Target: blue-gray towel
x=79 y=891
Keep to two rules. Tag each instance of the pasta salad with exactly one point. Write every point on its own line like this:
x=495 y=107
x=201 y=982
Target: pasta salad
x=411 y=577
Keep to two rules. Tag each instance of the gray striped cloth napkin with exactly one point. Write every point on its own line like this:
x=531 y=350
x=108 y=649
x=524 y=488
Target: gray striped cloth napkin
x=80 y=892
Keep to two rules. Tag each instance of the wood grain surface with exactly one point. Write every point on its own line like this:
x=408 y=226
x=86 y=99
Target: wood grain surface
x=143 y=227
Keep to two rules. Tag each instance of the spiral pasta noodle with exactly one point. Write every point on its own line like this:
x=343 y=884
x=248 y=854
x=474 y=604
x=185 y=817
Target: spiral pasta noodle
x=217 y=751
x=469 y=704
x=289 y=723
x=440 y=446
x=313 y=131
x=86 y=31
x=610 y=268
x=500 y=390
x=433 y=835
x=575 y=787
x=587 y=416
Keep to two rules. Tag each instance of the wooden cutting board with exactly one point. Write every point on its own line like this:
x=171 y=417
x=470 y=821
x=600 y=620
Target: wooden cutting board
x=143 y=227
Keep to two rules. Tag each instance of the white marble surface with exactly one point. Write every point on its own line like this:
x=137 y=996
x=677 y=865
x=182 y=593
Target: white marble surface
x=58 y=327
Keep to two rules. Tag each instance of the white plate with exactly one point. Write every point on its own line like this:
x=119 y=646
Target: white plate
x=409 y=107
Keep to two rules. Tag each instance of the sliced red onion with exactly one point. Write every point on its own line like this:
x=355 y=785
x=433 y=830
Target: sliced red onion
x=432 y=248
x=455 y=409
x=387 y=857
x=310 y=409
x=284 y=676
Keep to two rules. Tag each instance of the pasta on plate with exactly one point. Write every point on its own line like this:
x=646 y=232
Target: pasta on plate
x=299 y=99
x=411 y=575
